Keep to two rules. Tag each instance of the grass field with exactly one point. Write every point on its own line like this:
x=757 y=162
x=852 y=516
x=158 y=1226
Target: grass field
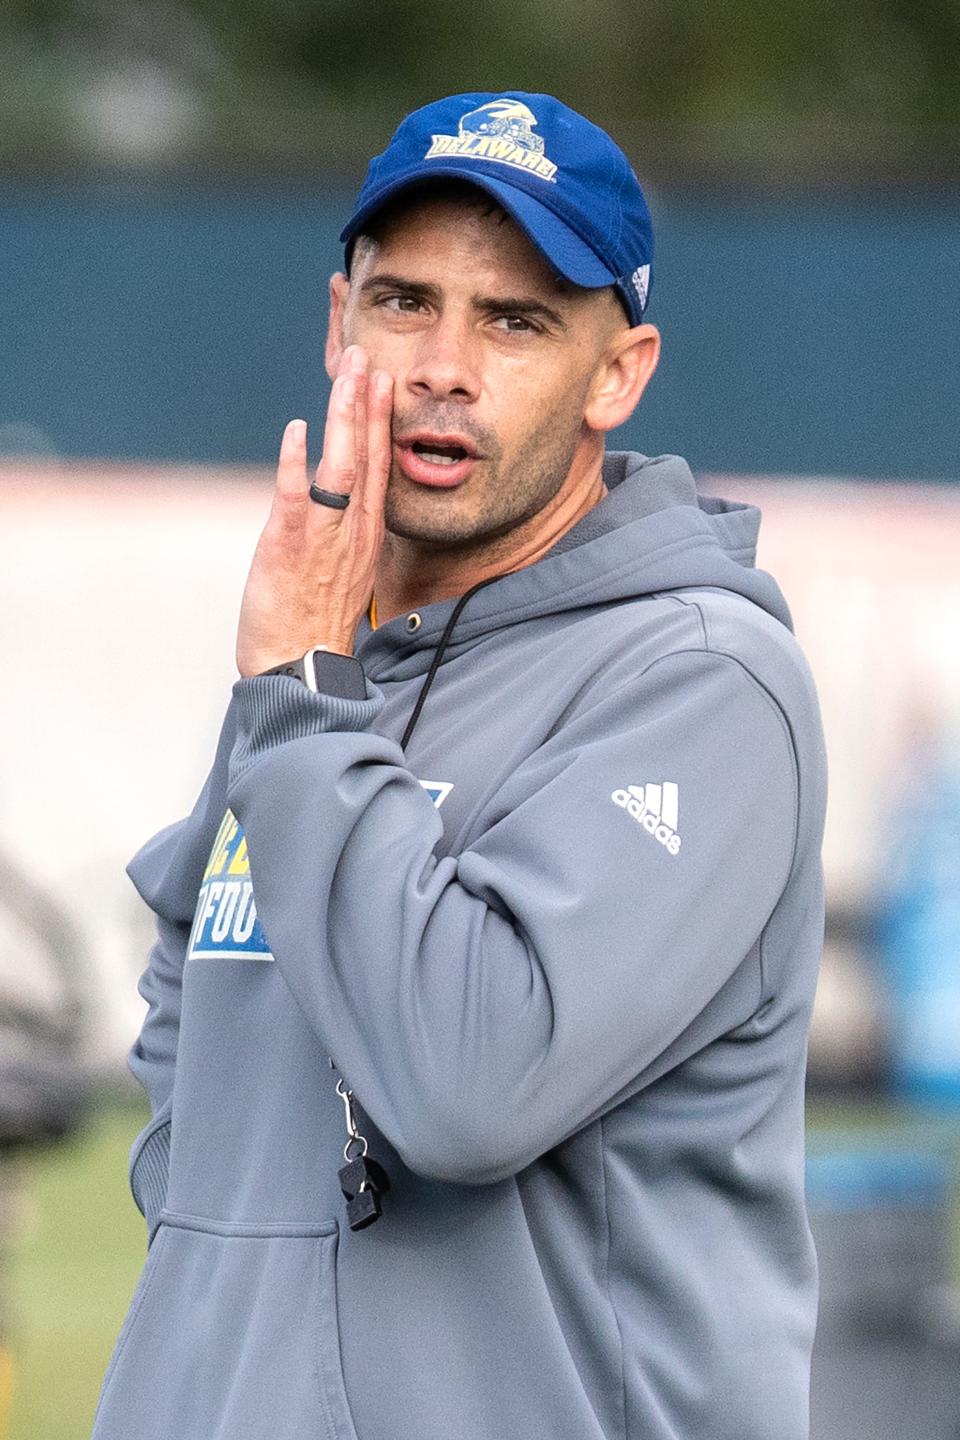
x=78 y=1248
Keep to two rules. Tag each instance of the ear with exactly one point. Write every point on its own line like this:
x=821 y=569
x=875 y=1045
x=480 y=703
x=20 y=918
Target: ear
x=622 y=376
x=339 y=290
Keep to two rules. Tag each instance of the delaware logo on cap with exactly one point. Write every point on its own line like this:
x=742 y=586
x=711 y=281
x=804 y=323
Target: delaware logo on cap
x=501 y=130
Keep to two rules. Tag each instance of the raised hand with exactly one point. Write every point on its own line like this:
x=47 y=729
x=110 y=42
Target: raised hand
x=313 y=568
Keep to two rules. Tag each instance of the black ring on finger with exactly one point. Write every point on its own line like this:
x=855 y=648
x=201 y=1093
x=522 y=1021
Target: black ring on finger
x=329 y=497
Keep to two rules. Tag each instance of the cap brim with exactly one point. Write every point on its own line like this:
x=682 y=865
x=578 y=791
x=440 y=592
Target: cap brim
x=562 y=247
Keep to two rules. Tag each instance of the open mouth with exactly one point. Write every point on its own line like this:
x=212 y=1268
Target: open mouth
x=440 y=454
x=436 y=460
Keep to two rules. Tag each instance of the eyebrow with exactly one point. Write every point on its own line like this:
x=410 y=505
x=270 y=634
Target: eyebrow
x=486 y=304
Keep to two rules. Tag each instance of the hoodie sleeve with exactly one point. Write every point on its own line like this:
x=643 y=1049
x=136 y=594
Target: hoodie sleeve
x=166 y=873
x=486 y=1005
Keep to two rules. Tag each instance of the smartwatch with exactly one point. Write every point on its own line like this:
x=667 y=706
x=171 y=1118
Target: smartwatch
x=327 y=671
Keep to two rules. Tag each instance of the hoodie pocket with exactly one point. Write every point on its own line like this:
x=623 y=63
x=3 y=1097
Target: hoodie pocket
x=232 y=1335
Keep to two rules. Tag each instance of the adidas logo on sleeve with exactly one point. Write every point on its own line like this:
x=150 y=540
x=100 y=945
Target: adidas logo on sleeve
x=656 y=808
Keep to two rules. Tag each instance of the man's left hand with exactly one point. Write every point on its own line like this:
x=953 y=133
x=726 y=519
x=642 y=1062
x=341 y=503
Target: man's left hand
x=312 y=573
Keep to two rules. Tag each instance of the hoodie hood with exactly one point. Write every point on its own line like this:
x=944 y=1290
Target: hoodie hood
x=651 y=533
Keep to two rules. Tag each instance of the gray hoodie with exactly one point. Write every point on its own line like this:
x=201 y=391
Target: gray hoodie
x=562 y=947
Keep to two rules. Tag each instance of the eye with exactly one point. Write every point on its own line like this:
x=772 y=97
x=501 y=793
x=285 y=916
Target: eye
x=516 y=324
x=401 y=304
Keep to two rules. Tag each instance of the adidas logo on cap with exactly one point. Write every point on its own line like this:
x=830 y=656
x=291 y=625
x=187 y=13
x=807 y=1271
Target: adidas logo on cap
x=656 y=808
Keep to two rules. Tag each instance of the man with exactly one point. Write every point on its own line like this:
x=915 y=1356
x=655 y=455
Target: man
x=527 y=853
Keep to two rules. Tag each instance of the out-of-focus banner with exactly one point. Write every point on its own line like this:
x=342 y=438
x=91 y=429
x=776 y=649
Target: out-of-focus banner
x=119 y=592
x=872 y=577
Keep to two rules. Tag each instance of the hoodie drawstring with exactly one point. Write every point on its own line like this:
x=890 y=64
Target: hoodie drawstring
x=435 y=663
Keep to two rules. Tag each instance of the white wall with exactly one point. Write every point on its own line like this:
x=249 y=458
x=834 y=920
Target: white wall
x=118 y=602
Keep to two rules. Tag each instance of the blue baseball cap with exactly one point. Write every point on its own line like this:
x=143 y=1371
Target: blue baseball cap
x=560 y=177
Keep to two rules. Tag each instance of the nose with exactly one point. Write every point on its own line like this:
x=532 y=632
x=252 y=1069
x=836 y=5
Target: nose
x=445 y=365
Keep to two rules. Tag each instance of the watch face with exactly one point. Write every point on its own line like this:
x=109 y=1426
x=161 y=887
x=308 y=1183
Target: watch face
x=335 y=673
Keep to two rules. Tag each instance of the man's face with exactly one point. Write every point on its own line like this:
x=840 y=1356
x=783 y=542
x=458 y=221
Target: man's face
x=492 y=357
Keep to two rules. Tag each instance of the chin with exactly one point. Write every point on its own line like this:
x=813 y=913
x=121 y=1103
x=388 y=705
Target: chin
x=441 y=534
x=429 y=519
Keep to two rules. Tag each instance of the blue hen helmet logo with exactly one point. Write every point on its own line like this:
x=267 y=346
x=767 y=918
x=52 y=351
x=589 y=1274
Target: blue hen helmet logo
x=508 y=118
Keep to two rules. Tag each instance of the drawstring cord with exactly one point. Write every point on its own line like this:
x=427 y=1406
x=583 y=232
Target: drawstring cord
x=444 y=641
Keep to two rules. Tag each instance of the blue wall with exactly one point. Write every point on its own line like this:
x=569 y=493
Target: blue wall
x=801 y=334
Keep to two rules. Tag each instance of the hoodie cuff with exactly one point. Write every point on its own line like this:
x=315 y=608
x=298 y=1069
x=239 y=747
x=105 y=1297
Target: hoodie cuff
x=149 y=1169
x=272 y=709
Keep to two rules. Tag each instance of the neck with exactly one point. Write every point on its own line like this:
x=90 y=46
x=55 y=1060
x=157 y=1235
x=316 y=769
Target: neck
x=410 y=575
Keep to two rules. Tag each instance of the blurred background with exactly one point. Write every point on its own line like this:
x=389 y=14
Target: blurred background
x=173 y=176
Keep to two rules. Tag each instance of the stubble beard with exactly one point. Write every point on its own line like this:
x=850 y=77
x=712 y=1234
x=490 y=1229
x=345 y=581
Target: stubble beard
x=500 y=496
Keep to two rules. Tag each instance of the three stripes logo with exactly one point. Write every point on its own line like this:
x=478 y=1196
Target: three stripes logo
x=656 y=808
